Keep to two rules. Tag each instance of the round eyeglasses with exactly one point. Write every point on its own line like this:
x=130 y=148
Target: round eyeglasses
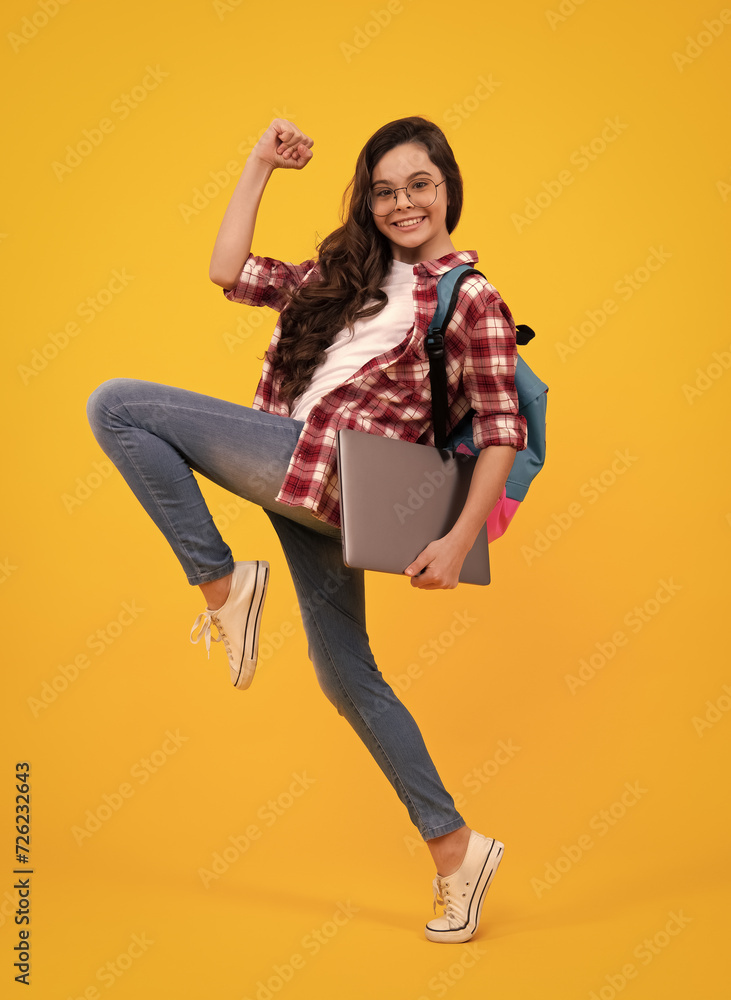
x=421 y=193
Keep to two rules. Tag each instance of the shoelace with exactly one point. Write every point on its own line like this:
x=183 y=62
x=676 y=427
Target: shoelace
x=440 y=896
x=204 y=620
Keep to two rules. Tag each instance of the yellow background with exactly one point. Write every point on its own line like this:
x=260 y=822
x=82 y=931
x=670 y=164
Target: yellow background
x=69 y=567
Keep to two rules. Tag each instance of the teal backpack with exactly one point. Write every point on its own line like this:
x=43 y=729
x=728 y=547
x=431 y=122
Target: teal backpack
x=532 y=393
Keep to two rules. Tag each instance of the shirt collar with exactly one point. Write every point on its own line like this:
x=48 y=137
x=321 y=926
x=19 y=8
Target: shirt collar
x=440 y=265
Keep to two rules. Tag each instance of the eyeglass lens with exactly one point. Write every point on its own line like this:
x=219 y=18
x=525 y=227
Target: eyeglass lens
x=422 y=193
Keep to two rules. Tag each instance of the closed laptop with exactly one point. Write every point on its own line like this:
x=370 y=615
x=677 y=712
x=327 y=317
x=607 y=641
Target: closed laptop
x=396 y=497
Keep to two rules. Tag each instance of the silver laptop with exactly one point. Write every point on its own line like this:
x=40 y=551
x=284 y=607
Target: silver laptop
x=387 y=520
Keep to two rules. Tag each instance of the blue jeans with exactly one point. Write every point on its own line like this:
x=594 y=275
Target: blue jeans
x=157 y=436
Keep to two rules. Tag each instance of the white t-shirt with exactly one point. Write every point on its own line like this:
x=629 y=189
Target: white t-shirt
x=370 y=338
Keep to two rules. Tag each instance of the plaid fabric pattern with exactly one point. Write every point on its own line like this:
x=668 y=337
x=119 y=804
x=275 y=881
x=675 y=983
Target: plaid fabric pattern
x=391 y=394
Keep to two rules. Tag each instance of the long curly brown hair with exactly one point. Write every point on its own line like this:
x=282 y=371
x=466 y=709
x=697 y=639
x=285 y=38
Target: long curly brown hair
x=353 y=260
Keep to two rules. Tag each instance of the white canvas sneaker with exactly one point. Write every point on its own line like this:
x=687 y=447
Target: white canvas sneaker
x=237 y=622
x=463 y=893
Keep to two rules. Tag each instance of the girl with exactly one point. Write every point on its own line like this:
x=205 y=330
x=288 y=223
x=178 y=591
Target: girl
x=348 y=351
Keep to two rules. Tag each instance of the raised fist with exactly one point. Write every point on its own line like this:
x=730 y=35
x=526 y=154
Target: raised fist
x=283 y=145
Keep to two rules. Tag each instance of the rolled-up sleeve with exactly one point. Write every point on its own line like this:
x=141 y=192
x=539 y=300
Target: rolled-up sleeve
x=489 y=376
x=263 y=279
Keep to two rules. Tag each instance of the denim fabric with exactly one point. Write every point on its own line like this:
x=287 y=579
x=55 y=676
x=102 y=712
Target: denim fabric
x=157 y=436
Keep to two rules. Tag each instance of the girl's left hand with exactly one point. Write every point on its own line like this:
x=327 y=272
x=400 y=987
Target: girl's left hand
x=441 y=561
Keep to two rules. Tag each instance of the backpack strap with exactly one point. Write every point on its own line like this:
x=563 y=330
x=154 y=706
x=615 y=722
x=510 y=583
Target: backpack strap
x=448 y=287
x=528 y=386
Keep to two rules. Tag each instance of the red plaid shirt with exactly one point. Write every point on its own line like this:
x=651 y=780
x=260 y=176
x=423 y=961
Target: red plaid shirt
x=391 y=394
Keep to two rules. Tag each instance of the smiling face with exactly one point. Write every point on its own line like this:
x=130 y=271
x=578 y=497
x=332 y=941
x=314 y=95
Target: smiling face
x=415 y=234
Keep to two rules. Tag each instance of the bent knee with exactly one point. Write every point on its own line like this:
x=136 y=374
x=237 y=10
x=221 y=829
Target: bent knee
x=104 y=397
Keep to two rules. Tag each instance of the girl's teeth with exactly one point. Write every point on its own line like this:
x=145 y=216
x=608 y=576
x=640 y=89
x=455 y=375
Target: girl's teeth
x=410 y=222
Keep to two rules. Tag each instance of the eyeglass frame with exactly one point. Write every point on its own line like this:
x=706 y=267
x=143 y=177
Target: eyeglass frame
x=406 y=189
